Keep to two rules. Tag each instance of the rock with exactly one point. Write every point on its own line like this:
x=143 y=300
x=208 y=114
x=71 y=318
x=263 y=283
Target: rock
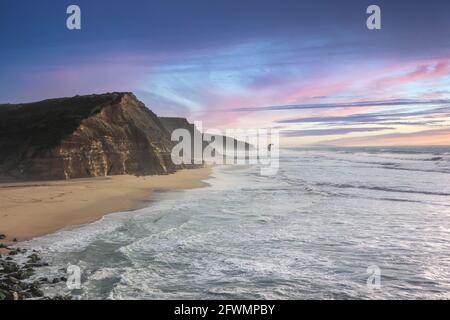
x=33 y=258
x=81 y=137
x=58 y=280
x=62 y=297
x=35 y=291
x=24 y=285
x=14 y=283
x=23 y=274
x=13 y=280
x=4 y=295
x=7 y=285
x=26 y=295
x=37 y=265
x=10 y=267
x=29 y=265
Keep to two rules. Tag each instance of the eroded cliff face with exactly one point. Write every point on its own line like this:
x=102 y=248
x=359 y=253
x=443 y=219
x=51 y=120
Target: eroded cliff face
x=83 y=136
x=173 y=123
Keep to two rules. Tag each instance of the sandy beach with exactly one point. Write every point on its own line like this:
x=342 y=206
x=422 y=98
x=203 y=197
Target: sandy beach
x=28 y=210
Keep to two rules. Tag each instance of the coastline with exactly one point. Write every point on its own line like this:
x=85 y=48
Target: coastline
x=32 y=209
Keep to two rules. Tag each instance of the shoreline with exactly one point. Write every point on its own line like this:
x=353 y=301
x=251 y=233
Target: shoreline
x=33 y=209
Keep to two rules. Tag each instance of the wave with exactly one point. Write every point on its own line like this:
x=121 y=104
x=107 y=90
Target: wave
x=434 y=159
x=388 y=199
x=76 y=239
x=320 y=236
x=444 y=170
x=385 y=189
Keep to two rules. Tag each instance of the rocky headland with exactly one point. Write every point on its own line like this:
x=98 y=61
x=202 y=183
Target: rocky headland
x=86 y=136
x=82 y=136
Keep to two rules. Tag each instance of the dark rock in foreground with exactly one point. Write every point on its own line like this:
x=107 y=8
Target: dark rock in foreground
x=15 y=281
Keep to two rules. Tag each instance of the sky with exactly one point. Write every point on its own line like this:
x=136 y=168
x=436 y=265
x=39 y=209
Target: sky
x=311 y=69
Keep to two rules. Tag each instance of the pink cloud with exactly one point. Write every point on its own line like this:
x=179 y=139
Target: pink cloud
x=373 y=82
x=427 y=137
x=433 y=70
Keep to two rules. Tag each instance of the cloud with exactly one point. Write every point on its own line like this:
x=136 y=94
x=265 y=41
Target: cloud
x=422 y=72
x=373 y=103
x=329 y=132
x=426 y=137
x=369 y=117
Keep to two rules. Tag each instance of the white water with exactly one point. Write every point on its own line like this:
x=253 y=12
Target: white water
x=309 y=232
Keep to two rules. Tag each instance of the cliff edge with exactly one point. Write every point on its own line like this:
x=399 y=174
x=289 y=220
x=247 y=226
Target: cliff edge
x=82 y=136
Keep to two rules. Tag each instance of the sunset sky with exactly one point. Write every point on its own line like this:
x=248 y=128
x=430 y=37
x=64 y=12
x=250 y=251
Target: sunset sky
x=311 y=69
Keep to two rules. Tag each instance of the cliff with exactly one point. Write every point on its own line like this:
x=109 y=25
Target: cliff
x=172 y=123
x=83 y=136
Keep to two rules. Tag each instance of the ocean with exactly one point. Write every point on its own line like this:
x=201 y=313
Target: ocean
x=309 y=232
